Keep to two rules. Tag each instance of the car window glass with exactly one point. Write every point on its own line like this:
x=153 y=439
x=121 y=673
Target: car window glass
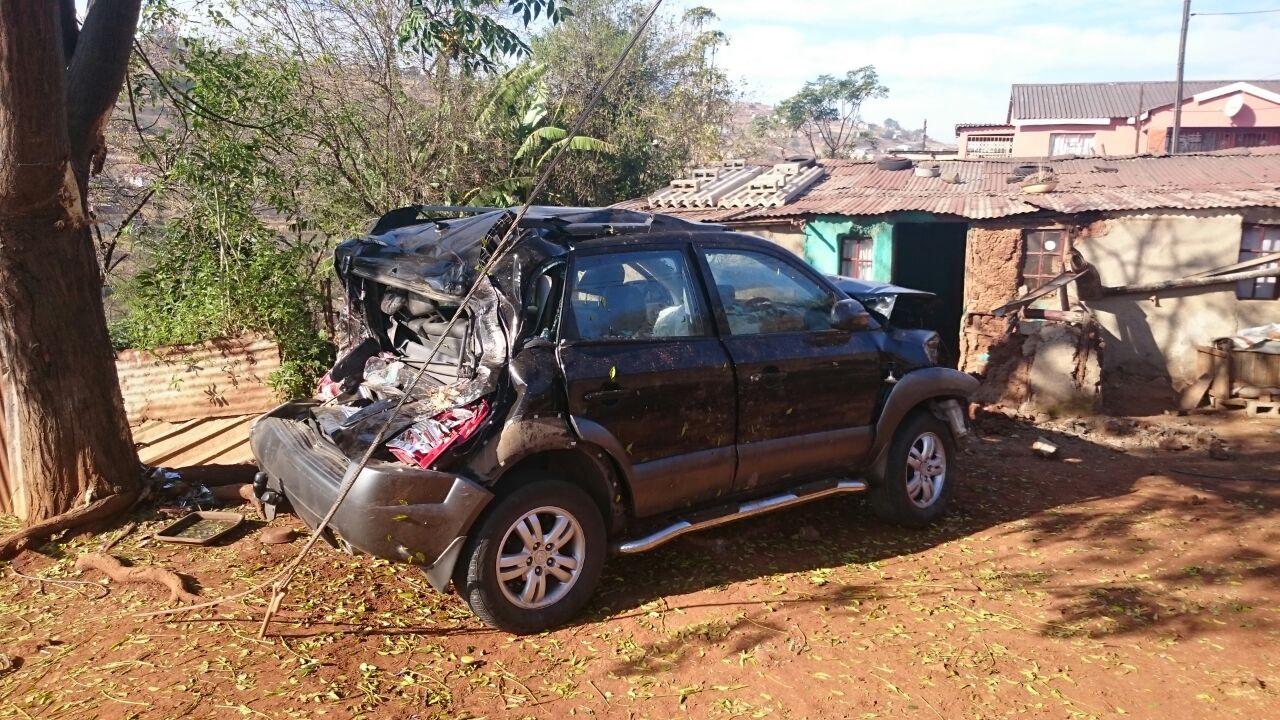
x=635 y=295
x=763 y=294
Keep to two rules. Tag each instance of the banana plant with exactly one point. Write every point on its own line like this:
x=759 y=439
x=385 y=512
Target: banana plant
x=517 y=112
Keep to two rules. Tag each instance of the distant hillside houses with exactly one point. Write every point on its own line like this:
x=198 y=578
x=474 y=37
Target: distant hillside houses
x=1127 y=118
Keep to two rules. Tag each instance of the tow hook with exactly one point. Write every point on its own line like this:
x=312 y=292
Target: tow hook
x=269 y=498
x=955 y=418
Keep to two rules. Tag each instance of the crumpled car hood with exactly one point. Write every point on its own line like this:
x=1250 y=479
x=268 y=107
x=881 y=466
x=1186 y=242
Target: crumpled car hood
x=439 y=260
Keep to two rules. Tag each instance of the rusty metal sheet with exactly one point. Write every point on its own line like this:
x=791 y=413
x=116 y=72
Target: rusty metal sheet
x=1246 y=177
x=221 y=378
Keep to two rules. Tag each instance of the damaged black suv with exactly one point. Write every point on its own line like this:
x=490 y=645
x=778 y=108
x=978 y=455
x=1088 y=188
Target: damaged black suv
x=616 y=380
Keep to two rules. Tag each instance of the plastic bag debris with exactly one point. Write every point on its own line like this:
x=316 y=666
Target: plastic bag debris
x=328 y=388
x=426 y=439
x=382 y=370
x=346 y=374
x=175 y=492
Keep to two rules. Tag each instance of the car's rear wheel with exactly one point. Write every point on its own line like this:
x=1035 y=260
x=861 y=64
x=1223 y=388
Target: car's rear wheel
x=919 y=474
x=534 y=561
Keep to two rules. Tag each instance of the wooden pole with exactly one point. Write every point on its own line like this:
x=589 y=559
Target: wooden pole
x=1192 y=282
x=1182 y=58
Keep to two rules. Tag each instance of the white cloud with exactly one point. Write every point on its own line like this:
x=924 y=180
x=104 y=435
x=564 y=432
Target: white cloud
x=953 y=62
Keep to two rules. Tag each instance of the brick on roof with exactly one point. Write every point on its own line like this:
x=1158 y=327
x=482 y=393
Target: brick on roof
x=1107 y=100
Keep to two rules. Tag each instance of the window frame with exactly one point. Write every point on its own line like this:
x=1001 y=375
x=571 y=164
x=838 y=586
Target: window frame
x=1090 y=137
x=989 y=145
x=856 y=259
x=568 y=325
x=1209 y=139
x=803 y=269
x=1027 y=253
x=1253 y=239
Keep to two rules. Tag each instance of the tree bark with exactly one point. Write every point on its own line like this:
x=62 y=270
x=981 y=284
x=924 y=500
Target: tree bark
x=72 y=445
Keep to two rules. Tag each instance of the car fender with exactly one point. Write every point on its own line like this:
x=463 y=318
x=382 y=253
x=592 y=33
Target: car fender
x=596 y=434
x=552 y=435
x=524 y=437
x=908 y=392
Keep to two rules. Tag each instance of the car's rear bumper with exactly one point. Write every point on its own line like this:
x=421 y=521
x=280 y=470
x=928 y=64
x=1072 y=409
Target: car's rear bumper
x=392 y=511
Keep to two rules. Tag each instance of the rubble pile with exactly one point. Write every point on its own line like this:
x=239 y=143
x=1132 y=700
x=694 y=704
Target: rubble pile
x=1132 y=434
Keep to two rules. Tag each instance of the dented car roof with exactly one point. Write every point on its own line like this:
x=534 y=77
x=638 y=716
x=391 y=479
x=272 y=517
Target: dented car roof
x=440 y=257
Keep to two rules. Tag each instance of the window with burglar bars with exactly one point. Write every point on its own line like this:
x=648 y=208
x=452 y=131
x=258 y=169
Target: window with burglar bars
x=1207 y=139
x=1042 y=260
x=1256 y=241
x=980 y=146
x=855 y=256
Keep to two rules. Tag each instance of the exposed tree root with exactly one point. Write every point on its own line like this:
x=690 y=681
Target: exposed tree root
x=112 y=568
x=106 y=508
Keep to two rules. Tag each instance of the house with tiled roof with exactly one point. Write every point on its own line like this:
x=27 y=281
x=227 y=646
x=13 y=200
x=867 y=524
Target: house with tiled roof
x=1086 y=257
x=1127 y=118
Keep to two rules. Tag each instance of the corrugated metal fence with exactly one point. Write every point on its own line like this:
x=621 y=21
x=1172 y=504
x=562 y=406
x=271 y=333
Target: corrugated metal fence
x=184 y=385
x=220 y=378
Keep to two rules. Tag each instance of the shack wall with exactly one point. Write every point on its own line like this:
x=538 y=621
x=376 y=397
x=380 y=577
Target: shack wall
x=822 y=243
x=1151 y=342
x=787 y=235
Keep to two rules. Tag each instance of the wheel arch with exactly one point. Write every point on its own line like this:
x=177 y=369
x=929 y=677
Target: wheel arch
x=916 y=391
x=584 y=465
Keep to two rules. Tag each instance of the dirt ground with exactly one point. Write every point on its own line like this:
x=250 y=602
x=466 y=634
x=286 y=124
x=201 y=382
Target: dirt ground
x=1126 y=578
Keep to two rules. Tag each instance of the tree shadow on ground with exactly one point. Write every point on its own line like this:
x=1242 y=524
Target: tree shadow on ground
x=1101 y=502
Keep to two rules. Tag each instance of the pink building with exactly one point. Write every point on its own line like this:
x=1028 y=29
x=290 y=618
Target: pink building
x=1127 y=118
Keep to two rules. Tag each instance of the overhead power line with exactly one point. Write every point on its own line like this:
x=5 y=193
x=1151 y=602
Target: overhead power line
x=1241 y=12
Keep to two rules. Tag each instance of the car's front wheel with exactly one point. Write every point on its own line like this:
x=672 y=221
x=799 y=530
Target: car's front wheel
x=919 y=474
x=534 y=561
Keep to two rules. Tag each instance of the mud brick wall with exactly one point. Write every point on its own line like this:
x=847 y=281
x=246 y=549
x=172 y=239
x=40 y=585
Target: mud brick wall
x=1030 y=366
x=989 y=345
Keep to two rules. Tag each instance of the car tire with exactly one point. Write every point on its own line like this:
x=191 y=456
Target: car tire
x=893 y=162
x=908 y=493
x=545 y=591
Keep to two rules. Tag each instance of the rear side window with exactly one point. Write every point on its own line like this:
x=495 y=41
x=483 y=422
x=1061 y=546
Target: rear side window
x=763 y=294
x=635 y=295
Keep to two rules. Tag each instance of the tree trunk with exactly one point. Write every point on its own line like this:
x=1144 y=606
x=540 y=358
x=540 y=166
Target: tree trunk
x=72 y=443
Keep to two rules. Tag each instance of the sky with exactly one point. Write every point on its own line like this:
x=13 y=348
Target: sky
x=950 y=62
x=953 y=62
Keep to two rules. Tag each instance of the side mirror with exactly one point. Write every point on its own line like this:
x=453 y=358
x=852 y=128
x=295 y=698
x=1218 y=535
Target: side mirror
x=849 y=315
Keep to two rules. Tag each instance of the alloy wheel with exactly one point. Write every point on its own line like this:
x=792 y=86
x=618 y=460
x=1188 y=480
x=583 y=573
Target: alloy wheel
x=926 y=469
x=540 y=557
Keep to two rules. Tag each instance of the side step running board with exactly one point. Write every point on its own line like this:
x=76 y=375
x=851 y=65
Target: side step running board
x=745 y=510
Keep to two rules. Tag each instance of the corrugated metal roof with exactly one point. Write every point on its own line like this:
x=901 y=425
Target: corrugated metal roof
x=982 y=126
x=206 y=441
x=1233 y=178
x=218 y=378
x=1107 y=100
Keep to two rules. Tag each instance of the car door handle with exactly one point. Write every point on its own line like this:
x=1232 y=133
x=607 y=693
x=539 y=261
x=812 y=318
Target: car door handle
x=770 y=374
x=607 y=396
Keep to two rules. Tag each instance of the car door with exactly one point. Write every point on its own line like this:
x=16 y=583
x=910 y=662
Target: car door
x=643 y=366
x=806 y=391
